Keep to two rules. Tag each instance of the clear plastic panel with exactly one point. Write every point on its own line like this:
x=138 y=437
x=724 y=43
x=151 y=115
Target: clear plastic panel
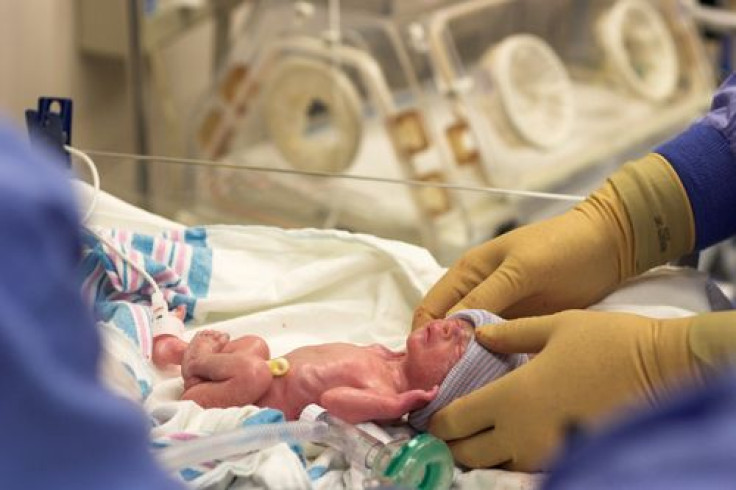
x=518 y=94
x=552 y=89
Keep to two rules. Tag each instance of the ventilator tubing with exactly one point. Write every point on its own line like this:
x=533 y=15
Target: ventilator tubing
x=238 y=442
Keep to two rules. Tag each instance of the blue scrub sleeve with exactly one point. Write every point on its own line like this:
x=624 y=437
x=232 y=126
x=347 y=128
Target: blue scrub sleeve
x=704 y=157
x=59 y=427
x=686 y=444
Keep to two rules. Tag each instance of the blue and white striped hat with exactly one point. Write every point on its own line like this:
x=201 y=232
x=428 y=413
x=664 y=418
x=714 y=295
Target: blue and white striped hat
x=475 y=369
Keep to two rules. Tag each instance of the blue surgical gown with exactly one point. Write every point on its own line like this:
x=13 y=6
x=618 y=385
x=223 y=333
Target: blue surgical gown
x=687 y=444
x=60 y=429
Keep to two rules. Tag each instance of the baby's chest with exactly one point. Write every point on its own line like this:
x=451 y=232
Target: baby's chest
x=365 y=373
x=355 y=373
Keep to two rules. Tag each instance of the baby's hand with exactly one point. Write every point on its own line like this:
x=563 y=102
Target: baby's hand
x=415 y=399
x=208 y=342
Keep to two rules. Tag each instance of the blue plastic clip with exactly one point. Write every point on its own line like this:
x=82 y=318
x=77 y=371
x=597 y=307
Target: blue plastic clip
x=52 y=128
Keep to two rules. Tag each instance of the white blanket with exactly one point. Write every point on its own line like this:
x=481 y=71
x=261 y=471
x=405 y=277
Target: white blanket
x=303 y=287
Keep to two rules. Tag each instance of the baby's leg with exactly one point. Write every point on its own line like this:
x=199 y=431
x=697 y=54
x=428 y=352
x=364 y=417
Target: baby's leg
x=249 y=344
x=224 y=379
x=203 y=345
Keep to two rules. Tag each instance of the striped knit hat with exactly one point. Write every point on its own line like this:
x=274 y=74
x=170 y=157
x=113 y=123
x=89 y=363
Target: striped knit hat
x=475 y=369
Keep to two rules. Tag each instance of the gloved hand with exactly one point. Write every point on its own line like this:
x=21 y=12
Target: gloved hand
x=590 y=365
x=639 y=219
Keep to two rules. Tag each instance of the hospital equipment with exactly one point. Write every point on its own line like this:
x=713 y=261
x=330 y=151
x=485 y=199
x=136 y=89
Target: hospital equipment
x=423 y=462
x=51 y=125
x=139 y=32
x=640 y=49
x=509 y=93
x=534 y=88
x=719 y=18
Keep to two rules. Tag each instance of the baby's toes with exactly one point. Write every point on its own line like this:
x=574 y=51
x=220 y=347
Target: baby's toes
x=207 y=342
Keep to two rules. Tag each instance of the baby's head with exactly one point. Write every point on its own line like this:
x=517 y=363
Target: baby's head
x=475 y=368
x=432 y=351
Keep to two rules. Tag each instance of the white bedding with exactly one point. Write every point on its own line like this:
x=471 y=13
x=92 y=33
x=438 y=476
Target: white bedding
x=310 y=286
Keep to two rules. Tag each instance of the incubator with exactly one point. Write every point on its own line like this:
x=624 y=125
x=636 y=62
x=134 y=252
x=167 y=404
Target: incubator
x=423 y=462
x=517 y=94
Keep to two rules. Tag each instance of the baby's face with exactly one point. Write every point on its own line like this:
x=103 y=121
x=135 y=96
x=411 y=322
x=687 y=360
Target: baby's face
x=434 y=349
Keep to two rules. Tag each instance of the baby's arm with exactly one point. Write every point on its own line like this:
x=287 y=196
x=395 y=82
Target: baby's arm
x=229 y=380
x=355 y=405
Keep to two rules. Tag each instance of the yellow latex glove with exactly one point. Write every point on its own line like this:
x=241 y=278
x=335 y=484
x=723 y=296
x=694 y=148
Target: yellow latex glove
x=590 y=366
x=640 y=218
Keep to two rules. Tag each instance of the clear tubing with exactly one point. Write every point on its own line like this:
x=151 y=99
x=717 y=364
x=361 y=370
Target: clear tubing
x=194 y=162
x=240 y=441
x=358 y=446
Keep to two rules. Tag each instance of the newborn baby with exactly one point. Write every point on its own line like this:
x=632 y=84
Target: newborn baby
x=355 y=383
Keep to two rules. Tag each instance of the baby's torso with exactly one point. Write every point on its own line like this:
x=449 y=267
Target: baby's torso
x=316 y=369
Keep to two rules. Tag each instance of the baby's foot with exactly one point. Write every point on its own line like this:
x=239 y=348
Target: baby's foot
x=208 y=342
x=204 y=343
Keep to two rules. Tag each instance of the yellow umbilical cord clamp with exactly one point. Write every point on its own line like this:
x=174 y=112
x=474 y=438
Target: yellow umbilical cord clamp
x=278 y=366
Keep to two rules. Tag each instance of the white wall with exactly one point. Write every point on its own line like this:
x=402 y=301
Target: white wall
x=39 y=55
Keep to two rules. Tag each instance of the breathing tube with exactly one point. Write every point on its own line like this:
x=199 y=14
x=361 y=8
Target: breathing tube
x=238 y=442
x=423 y=462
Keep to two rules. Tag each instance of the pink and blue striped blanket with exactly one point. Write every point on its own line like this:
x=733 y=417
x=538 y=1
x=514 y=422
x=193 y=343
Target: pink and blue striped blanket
x=180 y=261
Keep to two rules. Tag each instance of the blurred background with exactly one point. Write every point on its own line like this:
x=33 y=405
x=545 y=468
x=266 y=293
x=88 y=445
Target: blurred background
x=394 y=118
